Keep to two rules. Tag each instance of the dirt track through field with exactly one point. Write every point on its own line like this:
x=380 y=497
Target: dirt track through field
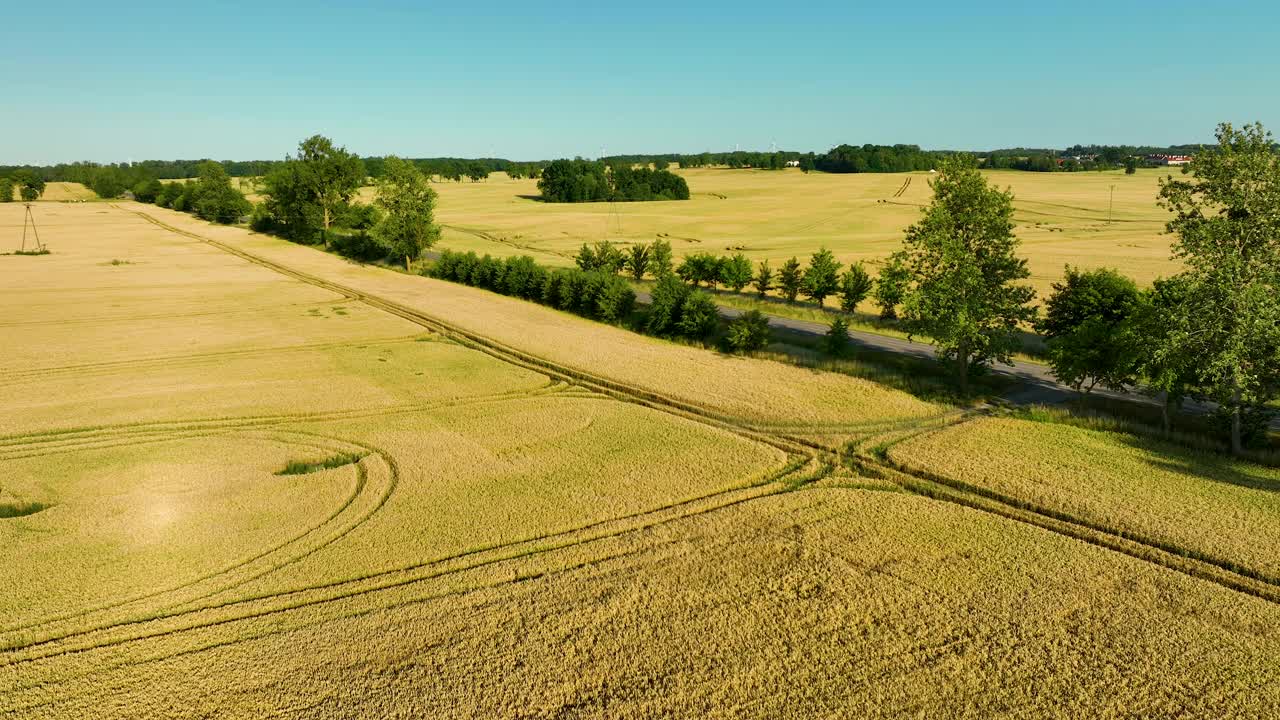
x=1169 y=557
x=207 y=603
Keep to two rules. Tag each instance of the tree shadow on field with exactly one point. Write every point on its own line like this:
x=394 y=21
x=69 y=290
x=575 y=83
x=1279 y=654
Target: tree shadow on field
x=535 y=198
x=1204 y=464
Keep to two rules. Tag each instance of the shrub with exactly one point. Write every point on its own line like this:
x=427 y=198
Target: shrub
x=570 y=289
x=552 y=287
x=589 y=292
x=260 y=219
x=518 y=276
x=891 y=286
x=855 y=285
x=147 y=191
x=789 y=279
x=638 y=260
x=700 y=268
x=822 y=278
x=615 y=301
x=735 y=271
x=666 y=300
x=699 y=316
x=763 y=279
x=660 y=258
x=836 y=341
x=465 y=268
x=357 y=246
x=169 y=194
x=748 y=332
x=484 y=272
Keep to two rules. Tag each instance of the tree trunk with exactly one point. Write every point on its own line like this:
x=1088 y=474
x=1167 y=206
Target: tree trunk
x=1164 y=414
x=325 y=231
x=1237 y=443
x=407 y=266
x=962 y=368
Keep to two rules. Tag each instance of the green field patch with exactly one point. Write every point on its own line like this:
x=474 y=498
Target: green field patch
x=304 y=467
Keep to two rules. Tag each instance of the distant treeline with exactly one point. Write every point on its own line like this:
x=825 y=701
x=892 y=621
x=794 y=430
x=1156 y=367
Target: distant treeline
x=1080 y=157
x=590 y=181
x=113 y=179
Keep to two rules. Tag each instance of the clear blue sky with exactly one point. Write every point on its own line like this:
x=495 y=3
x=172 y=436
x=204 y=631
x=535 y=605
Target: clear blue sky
x=531 y=80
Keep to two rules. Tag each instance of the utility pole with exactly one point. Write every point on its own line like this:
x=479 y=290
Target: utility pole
x=1111 y=203
x=30 y=219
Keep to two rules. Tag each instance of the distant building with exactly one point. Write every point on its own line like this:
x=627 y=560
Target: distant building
x=1161 y=159
x=793 y=163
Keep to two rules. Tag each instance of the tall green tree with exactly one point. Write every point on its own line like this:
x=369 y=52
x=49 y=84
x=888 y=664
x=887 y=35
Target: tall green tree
x=638 y=261
x=699 y=316
x=891 y=286
x=665 y=304
x=855 y=285
x=30 y=185
x=213 y=198
x=1093 y=327
x=961 y=253
x=660 y=258
x=290 y=205
x=1228 y=227
x=748 y=332
x=6 y=189
x=763 y=279
x=822 y=277
x=408 y=226
x=1165 y=369
x=331 y=175
x=735 y=271
x=789 y=279
x=146 y=191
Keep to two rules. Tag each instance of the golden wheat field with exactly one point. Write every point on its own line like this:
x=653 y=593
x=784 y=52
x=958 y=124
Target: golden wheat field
x=244 y=478
x=1194 y=502
x=1061 y=218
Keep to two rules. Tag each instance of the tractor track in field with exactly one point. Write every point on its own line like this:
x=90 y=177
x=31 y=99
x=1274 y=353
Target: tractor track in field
x=1193 y=563
x=902 y=190
x=264 y=559
x=1167 y=556
x=501 y=351
x=15 y=377
x=267 y=604
x=90 y=320
x=802 y=452
x=70 y=436
x=490 y=237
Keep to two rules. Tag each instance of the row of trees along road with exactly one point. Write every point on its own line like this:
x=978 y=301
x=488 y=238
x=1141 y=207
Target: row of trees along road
x=1212 y=331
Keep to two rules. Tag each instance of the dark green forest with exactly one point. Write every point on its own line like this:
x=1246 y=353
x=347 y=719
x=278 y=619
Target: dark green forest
x=590 y=181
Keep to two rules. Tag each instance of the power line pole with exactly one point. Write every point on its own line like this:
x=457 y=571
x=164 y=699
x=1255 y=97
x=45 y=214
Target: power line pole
x=1111 y=203
x=30 y=219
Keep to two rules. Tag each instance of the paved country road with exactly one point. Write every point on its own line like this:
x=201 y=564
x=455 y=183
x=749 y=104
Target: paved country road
x=1035 y=382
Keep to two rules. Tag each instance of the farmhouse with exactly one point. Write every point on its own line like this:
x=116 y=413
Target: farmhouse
x=1160 y=159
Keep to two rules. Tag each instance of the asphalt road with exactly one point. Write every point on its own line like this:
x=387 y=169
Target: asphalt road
x=1035 y=383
